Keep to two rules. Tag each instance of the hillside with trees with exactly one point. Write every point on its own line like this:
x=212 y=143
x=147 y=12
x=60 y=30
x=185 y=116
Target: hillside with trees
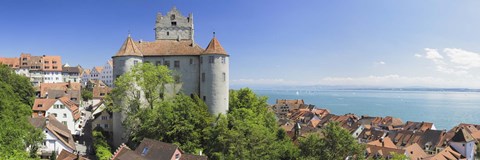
x=16 y=133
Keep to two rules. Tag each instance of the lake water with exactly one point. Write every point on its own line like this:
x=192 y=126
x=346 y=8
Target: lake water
x=444 y=109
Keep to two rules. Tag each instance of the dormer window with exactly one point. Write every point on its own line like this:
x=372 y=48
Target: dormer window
x=145 y=151
x=40 y=105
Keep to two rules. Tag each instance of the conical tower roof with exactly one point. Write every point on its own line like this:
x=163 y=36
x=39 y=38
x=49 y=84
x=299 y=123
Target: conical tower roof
x=129 y=48
x=214 y=47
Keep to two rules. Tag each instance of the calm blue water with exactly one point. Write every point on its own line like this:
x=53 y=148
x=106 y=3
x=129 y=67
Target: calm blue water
x=444 y=109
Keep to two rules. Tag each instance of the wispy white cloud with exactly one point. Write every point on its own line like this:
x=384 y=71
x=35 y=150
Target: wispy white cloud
x=380 y=63
x=418 y=55
x=462 y=58
x=456 y=61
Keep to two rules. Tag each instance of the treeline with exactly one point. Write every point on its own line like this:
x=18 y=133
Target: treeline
x=16 y=133
x=247 y=131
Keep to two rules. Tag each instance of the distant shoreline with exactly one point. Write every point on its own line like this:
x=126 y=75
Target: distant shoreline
x=377 y=89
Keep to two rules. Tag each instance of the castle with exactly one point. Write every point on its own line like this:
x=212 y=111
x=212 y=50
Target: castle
x=203 y=72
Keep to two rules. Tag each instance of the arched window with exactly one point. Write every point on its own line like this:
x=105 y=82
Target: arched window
x=172 y=17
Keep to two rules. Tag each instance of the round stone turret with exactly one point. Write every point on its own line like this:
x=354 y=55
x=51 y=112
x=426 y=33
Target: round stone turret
x=214 y=77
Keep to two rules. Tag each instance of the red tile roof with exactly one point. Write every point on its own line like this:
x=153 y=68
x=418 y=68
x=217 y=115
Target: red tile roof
x=44 y=103
x=11 y=62
x=214 y=47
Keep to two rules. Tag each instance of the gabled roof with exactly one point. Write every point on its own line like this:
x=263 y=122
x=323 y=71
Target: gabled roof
x=446 y=154
x=76 y=69
x=384 y=152
x=129 y=48
x=72 y=106
x=44 y=87
x=122 y=149
x=415 y=152
x=65 y=155
x=86 y=71
x=156 y=149
x=462 y=136
x=44 y=103
x=214 y=47
x=58 y=129
x=99 y=69
x=385 y=142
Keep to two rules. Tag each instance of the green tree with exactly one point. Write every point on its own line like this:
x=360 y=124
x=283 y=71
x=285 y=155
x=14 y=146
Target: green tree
x=21 y=85
x=337 y=143
x=102 y=149
x=16 y=133
x=141 y=88
x=180 y=120
x=87 y=94
x=396 y=156
x=248 y=131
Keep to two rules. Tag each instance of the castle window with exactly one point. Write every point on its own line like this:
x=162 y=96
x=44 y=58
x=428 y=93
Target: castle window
x=204 y=98
x=224 y=77
x=168 y=33
x=211 y=59
x=176 y=64
x=191 y=61
x=24 y=59
x=174 y=23
x=46 y=62
x=201 y=60
x=172 y=17
x=158 y=63
x=203 y=77
x=54 y=62
x=223 y=59
x=167 y=63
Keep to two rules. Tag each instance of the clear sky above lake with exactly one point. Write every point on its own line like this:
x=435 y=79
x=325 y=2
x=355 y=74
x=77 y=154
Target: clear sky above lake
x=434 y=43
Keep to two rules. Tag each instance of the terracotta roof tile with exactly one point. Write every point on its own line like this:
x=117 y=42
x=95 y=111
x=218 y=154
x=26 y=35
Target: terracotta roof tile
x=214 y=47
x=73 y=107
x=58 y=129
x=43 y=104
x=385 y=142
x=129 y=48
x=415 y=152
x=169 y=48
x=11 y=62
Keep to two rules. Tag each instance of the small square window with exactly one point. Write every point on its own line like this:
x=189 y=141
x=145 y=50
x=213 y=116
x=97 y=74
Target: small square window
x=176 y=64
x=167 y=63
x=211 y=59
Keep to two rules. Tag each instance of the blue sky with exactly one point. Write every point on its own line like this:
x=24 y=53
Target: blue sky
x=311 y=42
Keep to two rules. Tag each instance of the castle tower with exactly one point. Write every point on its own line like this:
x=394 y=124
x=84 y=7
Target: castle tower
x=214 y=77
x=174 y=26
x=123 y=61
